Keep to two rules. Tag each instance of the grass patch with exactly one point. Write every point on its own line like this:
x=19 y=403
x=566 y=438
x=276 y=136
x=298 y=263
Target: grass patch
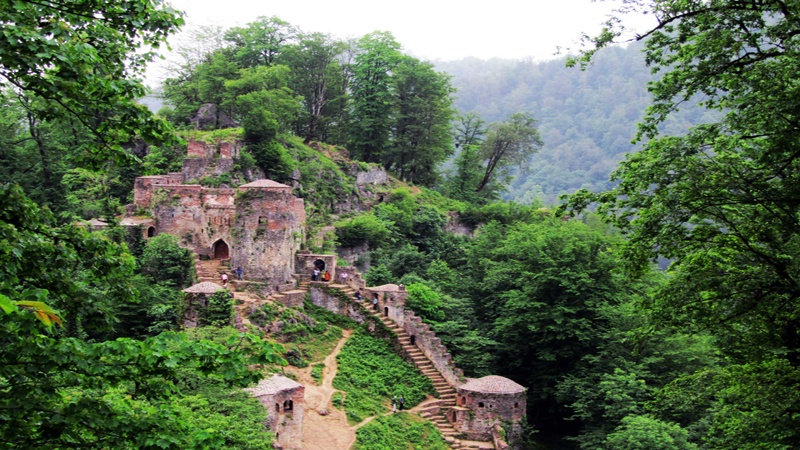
x=399 y=431
x=323 y=315
x=309 y=336
x=337 y=400
x=316 y=372
x=370 y=372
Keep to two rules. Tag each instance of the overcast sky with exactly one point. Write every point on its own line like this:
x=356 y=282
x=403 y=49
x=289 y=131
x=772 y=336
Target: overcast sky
x=427 y=29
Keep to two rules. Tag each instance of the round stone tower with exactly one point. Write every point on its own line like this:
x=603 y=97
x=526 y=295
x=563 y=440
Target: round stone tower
x=484 y=403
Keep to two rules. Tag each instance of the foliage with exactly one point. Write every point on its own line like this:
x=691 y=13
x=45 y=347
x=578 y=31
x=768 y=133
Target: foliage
x=714 y=200
x=61 y=392
x=744 y=406
x=421 y=134
x=364 y=229
x=378 y=275
x=508 y=143
x=261 y=41
x=323 y=315
x=633 y=359
x=159 y=308
x=646 y=433
x=312 y=330
x=370 y=372
x=82 y=61
x=399 y=431
x=372 y=102
x=717 y=199
x=425 y=302
x=83 y=275
x=219 y=312
x=316 y=372
x=317 y=77
x=167 y=263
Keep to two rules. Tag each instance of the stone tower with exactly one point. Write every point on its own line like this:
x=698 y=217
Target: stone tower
x=488 y=402
x=283 y=400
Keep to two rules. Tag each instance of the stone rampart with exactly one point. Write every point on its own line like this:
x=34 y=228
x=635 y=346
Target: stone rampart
x=325 y=297
x=432 y=347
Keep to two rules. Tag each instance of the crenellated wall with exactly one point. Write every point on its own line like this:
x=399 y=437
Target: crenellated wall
x=432 y=347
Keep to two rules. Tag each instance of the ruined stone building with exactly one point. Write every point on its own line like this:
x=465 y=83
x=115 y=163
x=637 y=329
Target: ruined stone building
x=258 y=226
x=283 y=400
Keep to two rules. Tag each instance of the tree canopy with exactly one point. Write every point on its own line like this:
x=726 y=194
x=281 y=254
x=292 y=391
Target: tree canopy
x=720 y=201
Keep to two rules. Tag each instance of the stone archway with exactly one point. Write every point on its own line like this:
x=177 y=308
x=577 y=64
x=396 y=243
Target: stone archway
x=151 y=231
x=319 y=265
x=221 y=250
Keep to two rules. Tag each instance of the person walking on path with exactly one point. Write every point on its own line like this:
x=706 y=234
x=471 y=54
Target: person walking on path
x=400 y=403
x=239 y=273
x=375 y=302
x=358 y=295
x=224 y=279
x=315 y=274
x=394 y=404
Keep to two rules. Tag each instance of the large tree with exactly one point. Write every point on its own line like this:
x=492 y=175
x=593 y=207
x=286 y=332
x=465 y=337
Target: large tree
x=722 y=201
x=260 y=42
x=315 y=75
x=78 y=60
x=371 y=95
x=421 y=131
x=85 y=59
x=507 y=144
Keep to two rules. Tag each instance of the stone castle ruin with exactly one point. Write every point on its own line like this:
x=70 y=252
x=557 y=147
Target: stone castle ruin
x=260 y=227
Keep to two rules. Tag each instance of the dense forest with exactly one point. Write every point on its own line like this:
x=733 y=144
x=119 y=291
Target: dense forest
x=565 y=300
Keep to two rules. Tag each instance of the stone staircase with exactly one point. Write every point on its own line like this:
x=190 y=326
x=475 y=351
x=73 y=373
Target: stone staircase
x=212 y=270
x=433 y=409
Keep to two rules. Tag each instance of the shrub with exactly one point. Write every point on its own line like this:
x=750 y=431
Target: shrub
x=219 y=312
x=365 y=229
x=167 y=263
x=425 y=302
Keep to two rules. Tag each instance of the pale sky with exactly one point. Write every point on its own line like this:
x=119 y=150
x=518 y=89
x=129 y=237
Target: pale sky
x=427 y=29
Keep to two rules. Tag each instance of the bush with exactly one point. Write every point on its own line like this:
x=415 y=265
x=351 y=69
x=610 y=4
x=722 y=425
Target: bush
x=425 y=302
x=399 y=431
x=167 y=263
x=366 y=229
x=219 y=312
x=378 y=275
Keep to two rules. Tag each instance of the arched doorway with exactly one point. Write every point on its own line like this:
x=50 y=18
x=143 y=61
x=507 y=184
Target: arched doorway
x=151 y=231
x=319 y=265
x=221 y=250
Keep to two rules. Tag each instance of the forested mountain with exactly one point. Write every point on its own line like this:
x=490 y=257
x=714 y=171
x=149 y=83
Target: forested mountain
x=615 y=354
x=587 y=119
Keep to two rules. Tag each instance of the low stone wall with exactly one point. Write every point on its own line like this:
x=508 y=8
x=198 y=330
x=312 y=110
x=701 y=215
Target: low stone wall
x=331 y=299
x=497 y=438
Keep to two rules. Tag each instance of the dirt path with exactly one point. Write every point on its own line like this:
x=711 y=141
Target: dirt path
x=325 y=427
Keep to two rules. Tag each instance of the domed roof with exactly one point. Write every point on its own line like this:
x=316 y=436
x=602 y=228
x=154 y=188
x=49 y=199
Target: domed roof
x=492 y=384
x=265 y=184
x=206 y=287
x=273 y=385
